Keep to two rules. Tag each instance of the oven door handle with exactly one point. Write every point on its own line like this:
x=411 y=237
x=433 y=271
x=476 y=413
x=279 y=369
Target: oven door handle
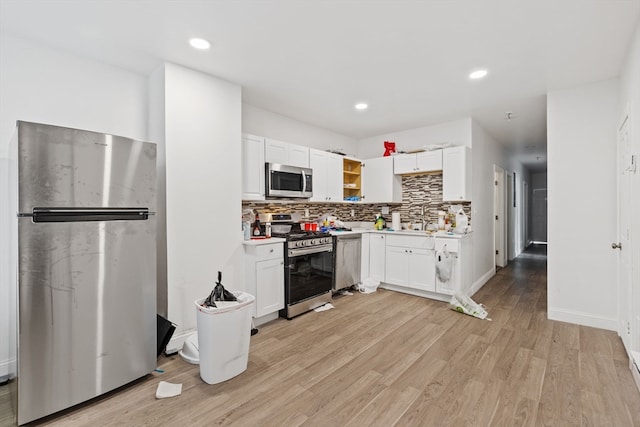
x=307 y=251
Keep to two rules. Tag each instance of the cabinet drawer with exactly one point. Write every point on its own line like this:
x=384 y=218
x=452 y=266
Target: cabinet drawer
x=453 y=245
x=264 y=252
x=418 y=242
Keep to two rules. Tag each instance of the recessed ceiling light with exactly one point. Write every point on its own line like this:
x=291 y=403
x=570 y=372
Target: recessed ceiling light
x=200 y=44
x=478 y=74
x=361 y=106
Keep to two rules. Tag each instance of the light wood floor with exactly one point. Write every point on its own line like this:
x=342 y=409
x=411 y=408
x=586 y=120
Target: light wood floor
x=393 y=359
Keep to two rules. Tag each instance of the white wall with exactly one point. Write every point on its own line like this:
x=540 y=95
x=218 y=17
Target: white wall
x=44 y=85
x=261 y=122
x=200 y=134
x=581 y=150
x=517 y=240
x=7 y=304
x=538 y=181
x=48 y=86
x=457 y=132
x=486 y=152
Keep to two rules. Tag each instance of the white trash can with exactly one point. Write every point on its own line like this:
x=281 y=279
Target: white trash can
x=223 y=338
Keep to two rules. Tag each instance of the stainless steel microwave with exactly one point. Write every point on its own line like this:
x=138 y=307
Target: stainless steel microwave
x=288 y=181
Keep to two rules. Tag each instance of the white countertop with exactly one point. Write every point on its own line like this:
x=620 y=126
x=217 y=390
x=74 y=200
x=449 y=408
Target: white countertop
x=439 y=234
x=258 y=242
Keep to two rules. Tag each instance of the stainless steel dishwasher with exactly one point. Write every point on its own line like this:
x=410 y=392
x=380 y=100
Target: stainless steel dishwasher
x=346 y=260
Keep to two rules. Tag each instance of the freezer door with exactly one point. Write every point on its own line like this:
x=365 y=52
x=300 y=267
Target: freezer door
x=64 y=167
x=87 y=310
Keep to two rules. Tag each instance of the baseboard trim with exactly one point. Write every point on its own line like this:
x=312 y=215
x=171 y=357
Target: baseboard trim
x=478 y=284
x=8 y=368
x=584 y=319
x=634 y=365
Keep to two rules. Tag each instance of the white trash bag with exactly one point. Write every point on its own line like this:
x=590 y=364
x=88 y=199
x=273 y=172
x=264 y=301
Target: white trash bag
x=466 y=305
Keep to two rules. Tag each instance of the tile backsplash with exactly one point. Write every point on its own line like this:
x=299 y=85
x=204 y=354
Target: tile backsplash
x=417 y=191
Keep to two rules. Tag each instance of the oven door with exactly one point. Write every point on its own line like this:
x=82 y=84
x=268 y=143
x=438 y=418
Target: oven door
x=308 y=273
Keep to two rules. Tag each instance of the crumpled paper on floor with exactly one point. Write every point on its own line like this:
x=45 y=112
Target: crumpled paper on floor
x=166 y=389
x=327 y=306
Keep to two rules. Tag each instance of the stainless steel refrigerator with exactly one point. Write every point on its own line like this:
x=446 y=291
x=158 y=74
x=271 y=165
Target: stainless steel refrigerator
x=86 y=273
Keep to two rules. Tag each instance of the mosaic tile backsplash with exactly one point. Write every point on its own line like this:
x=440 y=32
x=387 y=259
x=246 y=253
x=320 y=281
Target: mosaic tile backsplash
x=418 y=191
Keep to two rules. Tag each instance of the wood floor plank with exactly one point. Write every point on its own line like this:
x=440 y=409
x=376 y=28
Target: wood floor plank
x=389 y=358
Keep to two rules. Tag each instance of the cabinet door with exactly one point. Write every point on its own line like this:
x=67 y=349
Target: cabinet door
x=269 y=286
x=377 y=257
x=252 y=167
x=379 y=184
x=456 y=174
x=276 y=152
x=298 y=156
x=397 y=262
x=404 y=163
x=429 y=161
x=364 y=254
x=334 y=177
x=422 y=270
x=318 y=163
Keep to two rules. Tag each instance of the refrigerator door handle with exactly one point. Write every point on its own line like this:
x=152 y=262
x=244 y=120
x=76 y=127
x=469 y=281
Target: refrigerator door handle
x=88 y=214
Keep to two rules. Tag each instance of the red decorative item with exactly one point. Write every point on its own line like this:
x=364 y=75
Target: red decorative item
x=389 y=147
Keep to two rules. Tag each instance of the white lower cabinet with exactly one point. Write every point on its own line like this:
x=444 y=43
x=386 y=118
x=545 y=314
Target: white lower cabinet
x=377 y=257
x=265 y=277
x=460 y=252
x=410 y=262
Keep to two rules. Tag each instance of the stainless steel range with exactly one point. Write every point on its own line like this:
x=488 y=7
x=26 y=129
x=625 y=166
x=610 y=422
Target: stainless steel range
x=308 y=265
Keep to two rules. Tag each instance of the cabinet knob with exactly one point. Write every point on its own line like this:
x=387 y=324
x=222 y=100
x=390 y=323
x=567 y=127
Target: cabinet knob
x=270 y=250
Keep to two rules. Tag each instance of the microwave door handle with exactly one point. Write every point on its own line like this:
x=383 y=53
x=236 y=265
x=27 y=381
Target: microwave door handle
x=304 y=182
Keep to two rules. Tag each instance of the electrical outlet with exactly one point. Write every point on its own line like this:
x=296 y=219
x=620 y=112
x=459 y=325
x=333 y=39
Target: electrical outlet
x=353 y=213
x=385 y=210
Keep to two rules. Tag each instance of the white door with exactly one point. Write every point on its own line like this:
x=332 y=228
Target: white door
x=627 y=303
x=377 y=257
x=499 y=216
x=334 y=178
x=252 y=167
x=318 y=164
x=539 y=215
x=269 y=286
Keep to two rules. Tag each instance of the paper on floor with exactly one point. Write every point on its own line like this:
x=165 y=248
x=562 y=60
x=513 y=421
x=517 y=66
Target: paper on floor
x=166 y=389
x=327 y=306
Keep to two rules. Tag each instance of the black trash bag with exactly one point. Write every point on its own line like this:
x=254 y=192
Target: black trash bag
x=219 y=293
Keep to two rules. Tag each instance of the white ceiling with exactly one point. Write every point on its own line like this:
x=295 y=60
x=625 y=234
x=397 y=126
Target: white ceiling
x=313 y=60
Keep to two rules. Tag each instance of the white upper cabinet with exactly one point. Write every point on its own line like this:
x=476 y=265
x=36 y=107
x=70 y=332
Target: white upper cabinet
x=379 y=184
x=252 y=167
x=426 y=161
x=286 y=154
x=456 y=174
x=298 y=156
x=327 y=176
